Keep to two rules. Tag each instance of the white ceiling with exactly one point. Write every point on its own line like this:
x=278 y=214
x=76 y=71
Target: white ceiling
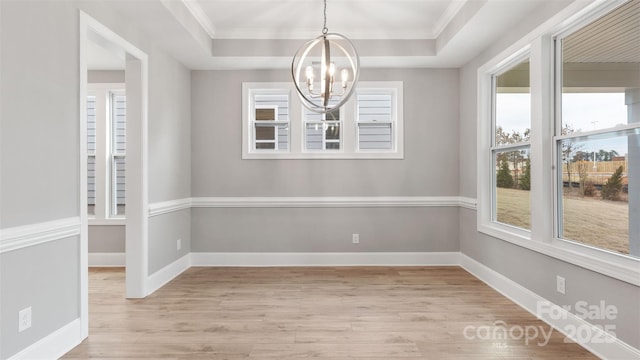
x=303 y=19
x=232 y=34
x=99 y=58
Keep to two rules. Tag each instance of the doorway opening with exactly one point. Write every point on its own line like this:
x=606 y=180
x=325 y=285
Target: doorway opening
x=113 y=158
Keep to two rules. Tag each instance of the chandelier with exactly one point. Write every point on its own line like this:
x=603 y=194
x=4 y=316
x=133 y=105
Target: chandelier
x=320 y=61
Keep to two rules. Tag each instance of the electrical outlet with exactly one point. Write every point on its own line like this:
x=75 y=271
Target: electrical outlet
x=179 y=244
x=24 y=319
x=356 y=238
x=560 y=284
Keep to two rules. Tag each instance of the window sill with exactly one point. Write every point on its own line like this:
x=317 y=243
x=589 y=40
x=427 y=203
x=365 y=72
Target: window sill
x=617 y=266
x=323 y=155
x=107 y=222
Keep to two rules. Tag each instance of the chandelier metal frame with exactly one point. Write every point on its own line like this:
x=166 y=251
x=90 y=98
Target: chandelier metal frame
x=327 y=98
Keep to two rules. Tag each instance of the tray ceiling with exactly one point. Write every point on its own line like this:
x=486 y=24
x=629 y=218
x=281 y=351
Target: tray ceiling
x=255 y=34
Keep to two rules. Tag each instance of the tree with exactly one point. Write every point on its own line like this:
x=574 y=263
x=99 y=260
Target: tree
x=589 y=188
x=583 y=167
x=502 y=137
x=603 y=155
x=503 y=177
x=516 y=157
x=611 y=190
x=569 y=150
x=582 y=155
x=525 y=181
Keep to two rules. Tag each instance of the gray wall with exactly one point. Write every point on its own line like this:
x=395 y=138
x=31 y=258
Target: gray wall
x=44 y=278
x=325 y=230
x=105 y=76
x=164 y=231
x=39 y=181
x=428 y=169
x=430 y=129
x=169 y=129
x=530 y=269
x=39 y=113
x=39 y=154
x=169 y=157
x=106 y=238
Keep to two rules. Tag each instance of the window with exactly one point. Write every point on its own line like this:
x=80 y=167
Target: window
x=117 y=152
x=91 y=154
x=276 y=125
x=270 y=117
x=563 y=123
x=106 y=151
x=322 y=131
x=597 y=133
x=375 y=119
x=511 y=149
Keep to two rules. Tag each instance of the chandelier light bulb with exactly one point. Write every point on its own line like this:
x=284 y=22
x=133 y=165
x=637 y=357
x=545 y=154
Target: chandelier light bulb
x=309 y=71
x=344 y=76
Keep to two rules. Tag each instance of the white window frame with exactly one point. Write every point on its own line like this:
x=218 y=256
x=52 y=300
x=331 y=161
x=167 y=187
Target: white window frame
x=348 y=131
x=105 y=154
x=494 y=148
x=396 y=122
x=544 y=211
x=249 y=92
x=325 y=124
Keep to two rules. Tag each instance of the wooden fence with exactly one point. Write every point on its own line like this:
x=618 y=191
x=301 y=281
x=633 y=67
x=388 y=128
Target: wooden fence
x=598 y=172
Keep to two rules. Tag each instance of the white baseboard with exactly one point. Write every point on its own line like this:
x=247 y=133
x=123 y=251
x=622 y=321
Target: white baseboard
x=107 y=259
x=325 y=259
x=602 y=344
x=161 y=277
x=55 y=345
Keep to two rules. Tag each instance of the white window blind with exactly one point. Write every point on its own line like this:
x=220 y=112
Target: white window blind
x=118 y=152
x=375 y=121
x=91 y=150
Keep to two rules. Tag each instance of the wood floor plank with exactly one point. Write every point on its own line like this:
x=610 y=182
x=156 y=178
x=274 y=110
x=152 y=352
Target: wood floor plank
x=325 y=313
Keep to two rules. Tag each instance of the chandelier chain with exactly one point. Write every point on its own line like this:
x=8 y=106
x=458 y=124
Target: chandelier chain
x=324 y=28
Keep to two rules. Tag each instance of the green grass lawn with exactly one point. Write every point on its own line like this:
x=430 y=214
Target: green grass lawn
x=591 y=221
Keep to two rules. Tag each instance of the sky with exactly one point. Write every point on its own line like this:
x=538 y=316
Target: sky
x=582 y=111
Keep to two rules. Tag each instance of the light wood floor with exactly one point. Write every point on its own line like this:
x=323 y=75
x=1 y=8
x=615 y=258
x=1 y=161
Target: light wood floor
x=320 y=313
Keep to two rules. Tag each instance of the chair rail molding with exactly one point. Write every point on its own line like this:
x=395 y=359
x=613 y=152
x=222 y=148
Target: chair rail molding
x=19 y=237
x=331 y=201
